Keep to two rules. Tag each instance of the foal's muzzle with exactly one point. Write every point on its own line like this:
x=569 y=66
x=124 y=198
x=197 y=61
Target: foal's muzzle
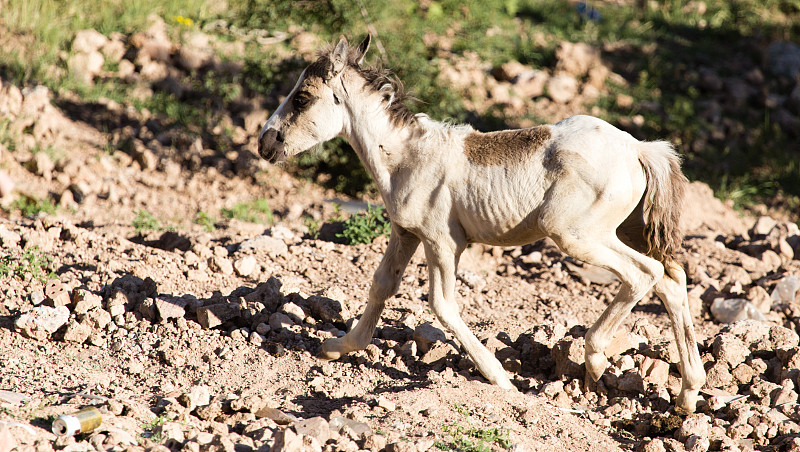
x=271 y=146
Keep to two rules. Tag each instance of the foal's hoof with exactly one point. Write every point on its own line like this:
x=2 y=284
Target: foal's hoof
x=596 y=364
x=331 y=349
x=687 y=401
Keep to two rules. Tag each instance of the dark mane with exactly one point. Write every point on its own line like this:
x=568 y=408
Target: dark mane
x=375 y=78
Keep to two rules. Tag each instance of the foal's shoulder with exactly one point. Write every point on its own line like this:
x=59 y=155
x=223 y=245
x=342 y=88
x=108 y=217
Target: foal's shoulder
x=505 y=146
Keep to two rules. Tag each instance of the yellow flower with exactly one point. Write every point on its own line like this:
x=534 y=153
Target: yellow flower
x=183 y=20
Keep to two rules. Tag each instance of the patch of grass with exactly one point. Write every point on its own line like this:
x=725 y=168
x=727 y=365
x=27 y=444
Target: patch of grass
x=205 y=220
x=150 y=427
x=471 y=439
x=145 y=221
x=313 y=227
x=32 y=207
x=254 y=211
x=364 y=227
x=30 y=262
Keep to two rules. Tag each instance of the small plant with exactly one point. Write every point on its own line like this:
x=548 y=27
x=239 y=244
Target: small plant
x=149 y=428
x=364 y=227
x=472 y=439
x=313 y=227
x=32 y=207
x=145 y=221
x=205 y=220
x=30 y=262
x=255 y=211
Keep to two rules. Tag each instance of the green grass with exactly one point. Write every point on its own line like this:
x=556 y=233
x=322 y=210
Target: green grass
x=145 y=221
x=31 y=261
x=253 y=211
x=31 y=207
x=205 y=220
x=364 y=227
x=472 y=439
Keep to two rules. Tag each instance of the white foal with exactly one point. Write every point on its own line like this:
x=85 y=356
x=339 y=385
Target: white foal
x=602 y=196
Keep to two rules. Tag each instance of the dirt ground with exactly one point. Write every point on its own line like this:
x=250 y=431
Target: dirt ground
x=194 y=338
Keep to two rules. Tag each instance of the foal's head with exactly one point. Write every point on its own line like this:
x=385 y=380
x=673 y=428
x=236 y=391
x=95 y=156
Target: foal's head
x=313 y=111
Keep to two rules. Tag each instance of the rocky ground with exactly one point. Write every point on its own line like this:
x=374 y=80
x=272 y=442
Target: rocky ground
x=201 y=335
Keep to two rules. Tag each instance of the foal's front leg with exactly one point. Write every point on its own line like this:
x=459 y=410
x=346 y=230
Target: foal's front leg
x=385 y=283
x=442 y=262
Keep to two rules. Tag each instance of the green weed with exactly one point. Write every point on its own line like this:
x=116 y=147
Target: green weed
x=30 y=262
x=32 y=207
x=364 y=227
x=254 y=211
x=150 y=427
x=205 y=220
x=145 y=221
x=313 y=227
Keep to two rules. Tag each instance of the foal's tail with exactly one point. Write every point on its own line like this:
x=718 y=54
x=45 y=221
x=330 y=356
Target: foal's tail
x=663 y=199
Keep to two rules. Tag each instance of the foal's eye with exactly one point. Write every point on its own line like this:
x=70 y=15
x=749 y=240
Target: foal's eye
x=301 y=100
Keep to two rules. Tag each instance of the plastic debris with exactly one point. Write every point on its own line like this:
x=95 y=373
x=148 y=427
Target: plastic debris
x=734 y=309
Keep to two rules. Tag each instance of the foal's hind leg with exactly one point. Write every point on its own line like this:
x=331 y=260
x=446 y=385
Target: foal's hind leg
x=638 y=274
x=385 y=283
x=672 y=291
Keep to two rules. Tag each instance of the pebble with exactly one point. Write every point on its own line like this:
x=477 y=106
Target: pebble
x=245 y=266
x=197 y=396
x=278 y=320
x=40 y=322
x=425 y=335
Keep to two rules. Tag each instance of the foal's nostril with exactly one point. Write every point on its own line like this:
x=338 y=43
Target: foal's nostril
x=279 y=137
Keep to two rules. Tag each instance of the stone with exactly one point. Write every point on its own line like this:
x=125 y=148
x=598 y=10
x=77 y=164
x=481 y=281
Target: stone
x=170 y=307
x=56 y=293
x=85 y=300
x=316 y=427
x=576 y=58
x=147 y=308
x=278 y=321
x=729 y=349
x=40 y=322
x=328 y=310
x=220 y=264
x=783 y=59
x=734 y=309
x=631 y=381
x=7 y=441
x=267 y=293
x=562 y=88
x=214 y=315
x=568 y=355
x=286 y=440
x=245 y=266
x=98 y=318
x=197 y=396
x=695 y=424
x=696 y=443
x=272 y=246
x=653 y=445
x=276 y=415
x=654 y=371
x=77 y=332
x=6 y=182
x=294 y=312
x=425 y=335
x=718 y=376
x=386 y=404
x=87 y=41
x=86 y=66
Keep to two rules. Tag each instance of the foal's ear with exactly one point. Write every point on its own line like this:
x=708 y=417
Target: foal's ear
x=339 y=57
x=362 y=49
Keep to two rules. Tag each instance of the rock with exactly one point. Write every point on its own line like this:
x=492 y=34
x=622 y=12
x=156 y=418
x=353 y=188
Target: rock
x=270 y=245
x=286 y=440
x=245 y=266
x=783 y=59
x=694 y=424
x=87 y=41
x=653 y=445
x=729 y=349
x=86 y=66
x=425 y=335
x=170 y=307
x=763 y=225
x=697 y=443
x=10 y=101
x=386 y=404
x=98 y=318
x=214 y=315
x=576 y=58
x=294 y=312
x=220 y=265
x=40 y=322
x=6 y=183
x=631 y=381
x=654 y=371
x=7 y=441
x=278 y=416
x=196 y=397
x=328 y=310
x=786 y=289
x=268 y=293
x=316 y=427
x=568 y=355
x=147 y=308
x=562 y=88
x=56 y=293
x=84 y=300
x=77 y=332
x=278 y=321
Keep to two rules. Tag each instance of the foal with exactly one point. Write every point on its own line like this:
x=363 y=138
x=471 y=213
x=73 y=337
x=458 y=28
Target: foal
x=602 y=196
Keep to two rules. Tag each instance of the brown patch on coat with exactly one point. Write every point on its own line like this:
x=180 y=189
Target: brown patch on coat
x=506 y=146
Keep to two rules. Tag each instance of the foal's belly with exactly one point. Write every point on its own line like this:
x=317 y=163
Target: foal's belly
x=500 y=222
